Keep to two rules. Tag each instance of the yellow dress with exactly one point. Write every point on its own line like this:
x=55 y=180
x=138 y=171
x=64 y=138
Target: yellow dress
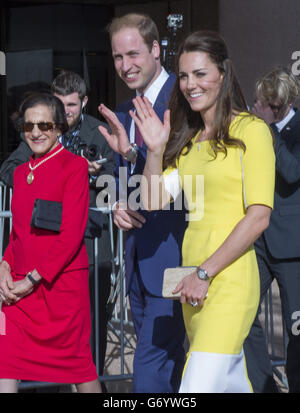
x=218 y=192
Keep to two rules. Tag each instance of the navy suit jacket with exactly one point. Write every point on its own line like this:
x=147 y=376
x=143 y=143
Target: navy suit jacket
x=157 y=245
x=283 y=236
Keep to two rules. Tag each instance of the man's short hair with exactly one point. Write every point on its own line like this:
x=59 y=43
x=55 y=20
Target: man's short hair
x=68 y=82
x=278 y=85
x=142 y=22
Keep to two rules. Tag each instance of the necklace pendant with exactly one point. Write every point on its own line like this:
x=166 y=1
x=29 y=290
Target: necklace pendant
x=30 y=178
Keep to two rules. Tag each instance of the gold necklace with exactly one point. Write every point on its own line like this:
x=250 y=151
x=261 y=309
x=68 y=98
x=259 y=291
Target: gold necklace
x=30 y=176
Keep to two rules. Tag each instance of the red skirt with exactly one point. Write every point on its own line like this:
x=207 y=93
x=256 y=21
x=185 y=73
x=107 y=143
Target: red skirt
x=48 y=333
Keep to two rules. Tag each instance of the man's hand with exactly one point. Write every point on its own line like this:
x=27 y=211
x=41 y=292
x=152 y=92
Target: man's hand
x=126 y=218
x=117 y=139
x=155 y=133
x=263 y=111
x=94 y=168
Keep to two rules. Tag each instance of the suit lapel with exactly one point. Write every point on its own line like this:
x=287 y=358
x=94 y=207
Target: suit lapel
x=161 y=103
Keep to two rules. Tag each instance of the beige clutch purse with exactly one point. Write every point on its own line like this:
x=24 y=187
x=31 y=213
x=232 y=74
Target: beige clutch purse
x=172 y=277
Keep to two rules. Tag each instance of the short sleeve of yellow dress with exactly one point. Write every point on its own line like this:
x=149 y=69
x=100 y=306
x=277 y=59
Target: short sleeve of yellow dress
x=258 y=162
x=218 y=192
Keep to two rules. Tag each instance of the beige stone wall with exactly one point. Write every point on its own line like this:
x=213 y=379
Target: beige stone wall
x=259 y=34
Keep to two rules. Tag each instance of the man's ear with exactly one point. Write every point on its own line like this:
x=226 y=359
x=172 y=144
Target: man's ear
x=155 y=49
x=84 y=102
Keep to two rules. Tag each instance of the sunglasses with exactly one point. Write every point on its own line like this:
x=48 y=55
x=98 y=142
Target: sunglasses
x=43 y=126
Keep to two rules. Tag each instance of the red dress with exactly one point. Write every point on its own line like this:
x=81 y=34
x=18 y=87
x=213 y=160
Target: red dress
x=48 y=331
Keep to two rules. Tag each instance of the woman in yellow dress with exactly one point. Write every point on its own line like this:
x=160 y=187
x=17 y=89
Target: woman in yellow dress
x=222 y=156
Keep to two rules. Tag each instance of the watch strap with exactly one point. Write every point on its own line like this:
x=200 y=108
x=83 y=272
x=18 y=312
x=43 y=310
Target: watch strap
x=205 y=276
x=31 y=279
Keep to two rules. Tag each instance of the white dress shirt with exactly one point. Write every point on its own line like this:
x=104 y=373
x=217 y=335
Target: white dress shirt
x=151 y=94
x=280 y=125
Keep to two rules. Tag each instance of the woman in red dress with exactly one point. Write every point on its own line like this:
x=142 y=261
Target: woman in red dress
x=44 y=274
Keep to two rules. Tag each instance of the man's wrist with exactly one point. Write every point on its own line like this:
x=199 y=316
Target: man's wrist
x=115 y=206
x=131 y=154
x=120 y=204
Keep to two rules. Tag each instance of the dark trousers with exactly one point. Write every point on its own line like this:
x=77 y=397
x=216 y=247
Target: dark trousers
x=287 y=274
x=159 y=357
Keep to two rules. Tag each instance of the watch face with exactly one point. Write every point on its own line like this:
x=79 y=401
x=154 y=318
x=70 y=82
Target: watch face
x=202 y=274
x=132 y=153
x=130 y=156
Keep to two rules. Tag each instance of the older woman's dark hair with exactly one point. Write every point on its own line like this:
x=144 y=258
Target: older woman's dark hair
x=44 y=99
x=185 y=123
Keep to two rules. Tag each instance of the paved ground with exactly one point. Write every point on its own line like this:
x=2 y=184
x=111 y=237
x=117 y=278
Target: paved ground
x=113 y=359
x=113 y=366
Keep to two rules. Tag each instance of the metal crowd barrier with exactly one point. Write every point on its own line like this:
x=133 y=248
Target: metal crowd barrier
x=277 y=360
x=117 y=299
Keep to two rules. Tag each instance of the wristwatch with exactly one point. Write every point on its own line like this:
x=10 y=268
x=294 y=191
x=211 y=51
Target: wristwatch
x=131 y=154
x=31 y=279
x=202 y=274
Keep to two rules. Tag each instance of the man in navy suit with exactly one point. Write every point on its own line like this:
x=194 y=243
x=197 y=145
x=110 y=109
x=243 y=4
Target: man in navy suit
x=278 y=249
x=153 y=238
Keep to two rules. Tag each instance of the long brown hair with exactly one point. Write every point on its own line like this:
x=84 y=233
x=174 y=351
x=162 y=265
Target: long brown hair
x=185 y=123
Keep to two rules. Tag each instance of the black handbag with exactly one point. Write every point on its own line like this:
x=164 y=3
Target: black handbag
x=46 y=215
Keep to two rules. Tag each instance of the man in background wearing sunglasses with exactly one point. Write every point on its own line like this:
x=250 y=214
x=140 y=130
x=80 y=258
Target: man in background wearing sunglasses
x=70 y=88
x=278 y=249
